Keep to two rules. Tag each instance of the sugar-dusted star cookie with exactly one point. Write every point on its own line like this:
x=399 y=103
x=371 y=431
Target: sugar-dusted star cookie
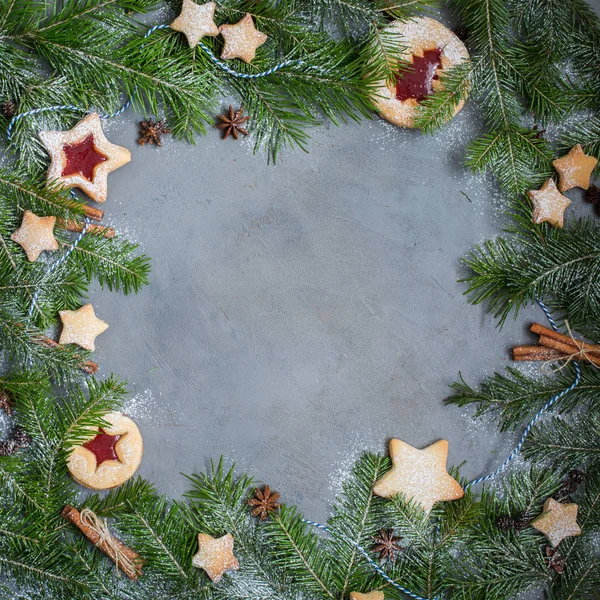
x=196 y=21
x=81 y=327
x=548 y=204
x=420 y=475
x=110 y=456
x=575 y=169
x=557 y=521
x=375 y=595
x=242 y=39
x=215 y=556
x=82 y=157
x=35 y=235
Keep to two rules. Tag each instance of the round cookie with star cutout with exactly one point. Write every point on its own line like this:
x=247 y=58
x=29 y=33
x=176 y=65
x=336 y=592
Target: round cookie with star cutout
x=430 y=48
x=110 y=456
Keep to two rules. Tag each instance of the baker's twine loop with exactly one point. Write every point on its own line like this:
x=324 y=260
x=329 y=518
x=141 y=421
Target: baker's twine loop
x=105 y=538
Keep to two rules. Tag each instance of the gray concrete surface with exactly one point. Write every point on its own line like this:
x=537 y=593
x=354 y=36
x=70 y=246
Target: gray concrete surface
x=302 y=313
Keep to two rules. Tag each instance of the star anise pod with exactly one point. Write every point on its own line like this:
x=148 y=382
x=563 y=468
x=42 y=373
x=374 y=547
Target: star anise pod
x=515 y=523
x=8 y=109
x=569 y=486
x=151 y=132
x=5 y=403
x=386 y=544
x=231 y=123
x=264 y=502
x=555 y=560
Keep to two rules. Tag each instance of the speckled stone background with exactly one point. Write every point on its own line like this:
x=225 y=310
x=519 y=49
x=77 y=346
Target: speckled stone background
x=302 y=313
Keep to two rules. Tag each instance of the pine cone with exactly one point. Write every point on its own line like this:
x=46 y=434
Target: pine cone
x=592 y=195
x=515 y=523
x=8 y=108
x=8 y=447
x=574 y=479
x=555 y=560
x=5 y=403
x=21 y=437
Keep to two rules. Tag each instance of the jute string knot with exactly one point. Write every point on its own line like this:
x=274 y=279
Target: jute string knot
x=90 y=519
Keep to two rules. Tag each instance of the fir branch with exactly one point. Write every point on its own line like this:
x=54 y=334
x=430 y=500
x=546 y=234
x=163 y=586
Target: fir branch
x=514 y=398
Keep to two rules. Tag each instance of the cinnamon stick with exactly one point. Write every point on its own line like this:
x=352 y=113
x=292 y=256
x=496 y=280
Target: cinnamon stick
x=77 y=227
x=110 y=547
x=536 y=353
x=93 y=213
x=565 y=339
x=569 y=349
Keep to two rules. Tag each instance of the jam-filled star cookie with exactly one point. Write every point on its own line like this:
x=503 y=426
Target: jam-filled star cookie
x=215 y=556
x=110 y=456
x=431 y=49
x=82 y=157
x=35 y=235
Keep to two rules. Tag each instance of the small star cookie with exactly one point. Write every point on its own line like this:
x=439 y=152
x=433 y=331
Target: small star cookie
x=196 y=21
x=557 y=521
x=35 y=235
x=215 y=556
x=575 y=169
x=82 y=157
x=420 y=475
x=549 y=204
x=242 y=39
x=81 y=327
x=375 y=595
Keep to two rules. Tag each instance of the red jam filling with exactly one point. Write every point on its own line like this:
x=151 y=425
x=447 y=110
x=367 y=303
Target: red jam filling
x=417 y=81
x=82 y=158
x=103 y=447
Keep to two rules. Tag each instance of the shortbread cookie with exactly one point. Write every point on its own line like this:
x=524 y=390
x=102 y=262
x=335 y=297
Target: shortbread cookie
x=558 y=521
x=35 y=235
x=375 y=595
x=575 y=169
x=549 y=204
x=215 y=556
x=242 y=39
x=110 y=456
x=195 y=21
x=82 y=157
x=431 y=49
x=81 y=327
x=419 y=475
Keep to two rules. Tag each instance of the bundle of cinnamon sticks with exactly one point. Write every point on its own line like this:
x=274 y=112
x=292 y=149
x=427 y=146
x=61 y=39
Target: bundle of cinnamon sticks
x=554 y=346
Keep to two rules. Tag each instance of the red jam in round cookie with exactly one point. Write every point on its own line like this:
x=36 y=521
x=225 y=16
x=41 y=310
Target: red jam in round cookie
x=82 y=158
x=417 y=81
x=103 y=447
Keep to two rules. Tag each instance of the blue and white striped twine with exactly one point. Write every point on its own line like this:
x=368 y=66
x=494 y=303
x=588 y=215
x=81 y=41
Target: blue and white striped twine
x=270 y=71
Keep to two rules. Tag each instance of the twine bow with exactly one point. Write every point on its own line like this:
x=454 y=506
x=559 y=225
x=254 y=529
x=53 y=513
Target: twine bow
x=90 y=519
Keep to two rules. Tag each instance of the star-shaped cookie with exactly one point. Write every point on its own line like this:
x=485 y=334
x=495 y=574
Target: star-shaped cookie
x=81 y=327
x=82 y=157
x=196 y=21
x=215 y=556
x=375 y=595
x=575 y=169
x=35 y=235
x=557 y=521
x=420 y=475
x=242 y=39
x=548 y=204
